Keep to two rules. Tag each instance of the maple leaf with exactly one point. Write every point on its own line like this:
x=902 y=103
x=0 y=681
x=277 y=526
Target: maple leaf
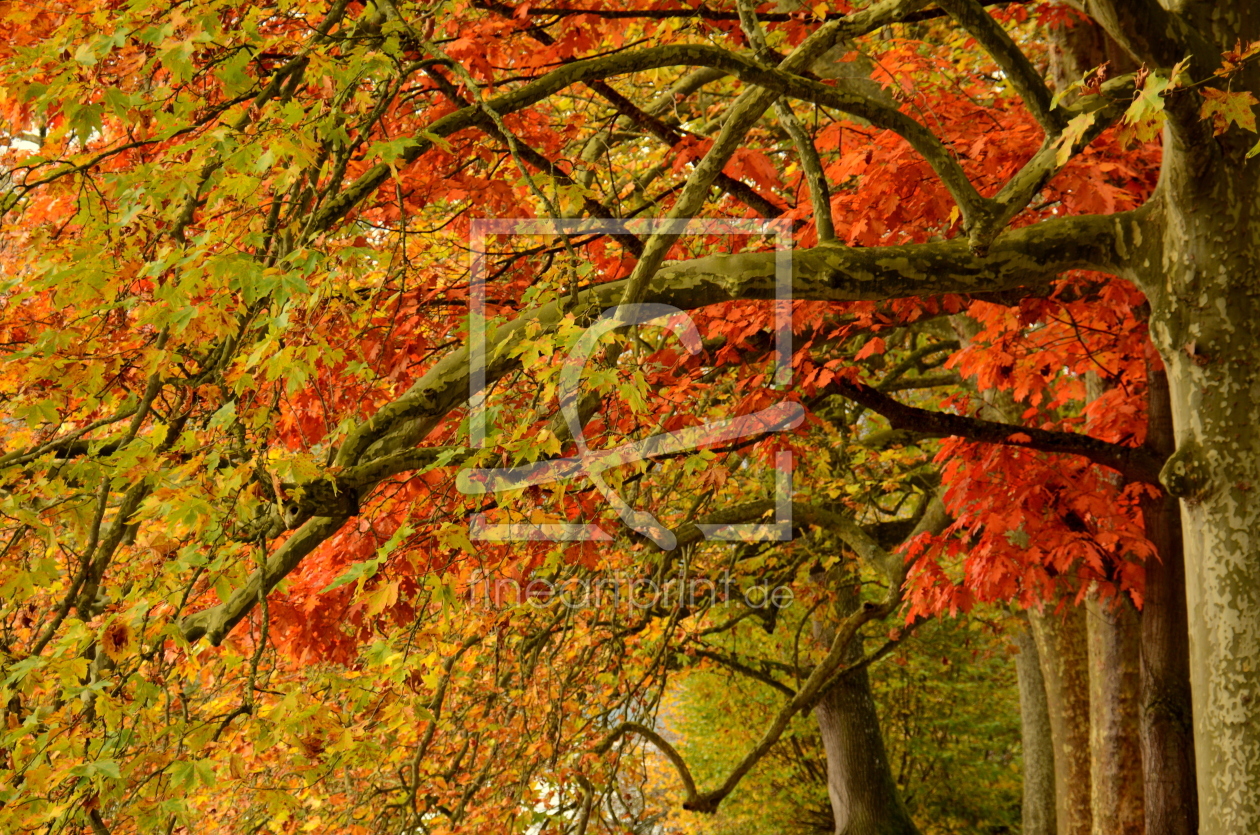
x=1073 y=132
x=1145 y=117
x=872 y=347
x=1225 y=107
x=118 y=640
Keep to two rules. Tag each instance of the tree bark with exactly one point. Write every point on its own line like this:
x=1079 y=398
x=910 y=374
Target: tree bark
x=864 y=796
x=1172 y=803
x=1038 y=744
x=1205 y=306
x=1199 y=265
x=1080 y=46
x=1114 y=680
x=1216 y=472
x=1114 y=631
x=1063 y=646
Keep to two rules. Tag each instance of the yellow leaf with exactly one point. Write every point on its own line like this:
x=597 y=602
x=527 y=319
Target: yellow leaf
x=1225 y=107
x=386 y=595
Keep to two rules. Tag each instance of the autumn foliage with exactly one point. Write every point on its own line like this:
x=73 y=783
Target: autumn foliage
x=236 y=234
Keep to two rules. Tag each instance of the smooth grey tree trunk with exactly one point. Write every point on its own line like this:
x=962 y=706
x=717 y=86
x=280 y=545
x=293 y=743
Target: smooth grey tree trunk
x=1195 y=253
x=1039 y=797
x=1205 y=321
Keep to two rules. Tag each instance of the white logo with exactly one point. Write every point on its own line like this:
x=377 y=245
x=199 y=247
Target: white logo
x=592 y=464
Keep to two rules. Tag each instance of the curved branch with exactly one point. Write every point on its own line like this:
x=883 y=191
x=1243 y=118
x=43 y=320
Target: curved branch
x=705 y=13
x=1028 y=257
x=1023 y=76
x=738 y=120
x=646 y=119
x=811 y=164
x=772 y=80
x=680 y=765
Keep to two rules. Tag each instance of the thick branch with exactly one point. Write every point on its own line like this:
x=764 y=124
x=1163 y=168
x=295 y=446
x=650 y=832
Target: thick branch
x=216 y=622
x=705 y=13
x=1023 y=76
x=1135 y=463
x=1028 y=257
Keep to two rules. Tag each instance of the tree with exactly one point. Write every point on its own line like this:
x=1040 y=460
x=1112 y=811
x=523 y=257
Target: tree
x=237 y=374
x=946 y=706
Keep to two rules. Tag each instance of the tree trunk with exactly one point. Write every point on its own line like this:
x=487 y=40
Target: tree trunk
x=864 y=796
x=1172 y=804
x=1063 y=647
x=1205 y=309
x=1039 y=786
x=1114 y=683
x=1081 y=46
x=1216 y=472
x=1196 y=256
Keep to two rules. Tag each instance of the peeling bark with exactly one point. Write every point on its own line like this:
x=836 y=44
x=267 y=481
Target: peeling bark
x=1114 y=683
x=1201 y=272
x=1063 y=647
x=1204 y=288
x=1205 y=325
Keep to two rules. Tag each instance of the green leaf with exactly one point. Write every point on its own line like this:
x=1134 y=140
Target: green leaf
x=107 y=768
x=84 y=119
x=1145 y=117
x=84 y=55
x=360 y=570
x=232 y=72
x=222 y=589
x=224 y=417
x=390 y=149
